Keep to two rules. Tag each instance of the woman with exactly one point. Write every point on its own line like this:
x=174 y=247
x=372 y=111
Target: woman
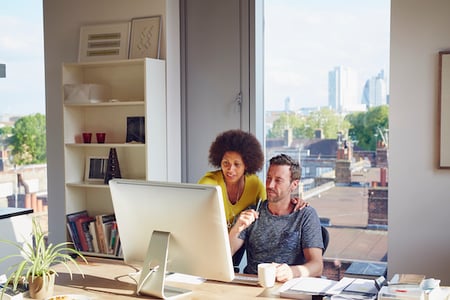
x=238 y=156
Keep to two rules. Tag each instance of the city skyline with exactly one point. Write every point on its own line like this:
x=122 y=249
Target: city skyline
x=305 y=40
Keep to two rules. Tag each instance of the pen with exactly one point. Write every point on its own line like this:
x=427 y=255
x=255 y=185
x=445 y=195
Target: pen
x=258 y=205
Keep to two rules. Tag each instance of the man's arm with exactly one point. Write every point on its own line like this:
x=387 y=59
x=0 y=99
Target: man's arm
x=235 y=241
x=246 y=218
x=312 y=268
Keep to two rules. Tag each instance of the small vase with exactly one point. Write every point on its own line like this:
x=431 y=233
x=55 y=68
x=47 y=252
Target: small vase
x=41 y=289
x=113 y=169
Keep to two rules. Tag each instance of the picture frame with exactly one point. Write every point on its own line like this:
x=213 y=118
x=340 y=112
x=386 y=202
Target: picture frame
x=96 y=168
x=135 y=130
x=145 y=37
x=444 y=109
x=104 y=42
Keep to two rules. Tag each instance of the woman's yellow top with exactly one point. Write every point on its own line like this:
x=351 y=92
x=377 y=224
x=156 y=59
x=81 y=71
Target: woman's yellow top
x=253 y=191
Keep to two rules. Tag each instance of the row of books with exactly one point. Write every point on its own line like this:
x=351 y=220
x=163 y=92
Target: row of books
x=96 y=234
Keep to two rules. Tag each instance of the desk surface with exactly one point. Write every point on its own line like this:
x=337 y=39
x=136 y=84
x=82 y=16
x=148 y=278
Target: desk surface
x=8 y=212
x=108 y=279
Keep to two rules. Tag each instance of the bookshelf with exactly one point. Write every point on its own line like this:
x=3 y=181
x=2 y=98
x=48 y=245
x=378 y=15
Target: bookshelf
x=128 y=88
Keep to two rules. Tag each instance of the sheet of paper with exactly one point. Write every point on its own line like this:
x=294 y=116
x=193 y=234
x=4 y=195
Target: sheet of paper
x=310 y=285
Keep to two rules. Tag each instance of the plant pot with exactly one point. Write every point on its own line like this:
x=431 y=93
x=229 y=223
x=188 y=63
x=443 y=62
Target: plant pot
x=41 y=289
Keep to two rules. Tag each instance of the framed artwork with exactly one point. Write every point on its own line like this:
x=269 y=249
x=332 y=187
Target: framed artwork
x=145 y=37
x=104 y=42
x=96 y=167
x=135 y=130
x=444 y=109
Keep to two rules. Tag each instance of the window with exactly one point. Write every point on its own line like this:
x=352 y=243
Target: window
x=23 y=173
x=326 y=97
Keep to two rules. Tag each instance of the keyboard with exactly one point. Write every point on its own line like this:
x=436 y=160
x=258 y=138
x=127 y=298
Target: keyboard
x=245 y=279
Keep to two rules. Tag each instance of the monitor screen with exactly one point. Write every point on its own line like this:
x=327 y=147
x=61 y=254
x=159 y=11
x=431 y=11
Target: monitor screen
x=192 y=214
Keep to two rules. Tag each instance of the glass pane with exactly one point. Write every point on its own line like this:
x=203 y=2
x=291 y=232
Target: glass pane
x=23 y=169
x=326 y=98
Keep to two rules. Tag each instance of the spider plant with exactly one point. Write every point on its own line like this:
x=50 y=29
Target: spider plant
x=38 y=258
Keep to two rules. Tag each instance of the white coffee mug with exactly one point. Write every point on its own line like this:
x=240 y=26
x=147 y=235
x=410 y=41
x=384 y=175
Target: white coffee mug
x=266 y=274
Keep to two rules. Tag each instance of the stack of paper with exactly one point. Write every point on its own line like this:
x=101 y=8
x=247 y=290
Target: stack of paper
x=346 y=288
x=403 y=279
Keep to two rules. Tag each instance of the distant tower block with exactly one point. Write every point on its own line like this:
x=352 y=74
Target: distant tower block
x=2 y=70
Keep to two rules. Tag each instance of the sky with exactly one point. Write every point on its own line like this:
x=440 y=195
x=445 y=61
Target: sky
x=22 y=92
x=304 y=40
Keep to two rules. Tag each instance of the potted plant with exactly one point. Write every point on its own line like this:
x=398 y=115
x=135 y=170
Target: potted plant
x=37 y=260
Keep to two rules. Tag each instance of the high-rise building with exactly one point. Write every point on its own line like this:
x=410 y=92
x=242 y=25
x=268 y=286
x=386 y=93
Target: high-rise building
x=2 y=70
x=375 y=91
x=287 y=104
x=343 y=90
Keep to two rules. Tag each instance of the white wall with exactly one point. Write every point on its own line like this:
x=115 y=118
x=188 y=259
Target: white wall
x=62 y=21
x=419 y=201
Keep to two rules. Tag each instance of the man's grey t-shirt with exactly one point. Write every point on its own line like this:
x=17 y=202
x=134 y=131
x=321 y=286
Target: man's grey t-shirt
x=281 y=239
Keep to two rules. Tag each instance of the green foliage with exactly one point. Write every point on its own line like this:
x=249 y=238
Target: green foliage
x=367 y=127
x=5 y=131
x=305 y=126
x=39 y=259
x=286 y=121
x=28 y=140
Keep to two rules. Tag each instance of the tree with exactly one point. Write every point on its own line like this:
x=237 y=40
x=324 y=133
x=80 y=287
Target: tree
x=366 y=127
x=328 y=121
x=28 y=140
x=286 y=121
x=305 y=126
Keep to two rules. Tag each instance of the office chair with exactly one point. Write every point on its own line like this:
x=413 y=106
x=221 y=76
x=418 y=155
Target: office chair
x=325 y=238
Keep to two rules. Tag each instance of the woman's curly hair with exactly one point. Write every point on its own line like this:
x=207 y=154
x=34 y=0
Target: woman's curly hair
x=244 y=143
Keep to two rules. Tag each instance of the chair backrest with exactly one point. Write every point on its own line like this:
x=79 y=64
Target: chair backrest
x=325 y=238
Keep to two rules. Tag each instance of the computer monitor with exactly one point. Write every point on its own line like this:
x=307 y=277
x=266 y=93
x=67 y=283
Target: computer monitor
x=171 y=227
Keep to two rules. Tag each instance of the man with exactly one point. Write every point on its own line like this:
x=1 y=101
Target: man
x=290 y=239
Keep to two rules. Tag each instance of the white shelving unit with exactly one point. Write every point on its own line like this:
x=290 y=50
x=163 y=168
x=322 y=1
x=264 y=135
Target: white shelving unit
x=137 y=88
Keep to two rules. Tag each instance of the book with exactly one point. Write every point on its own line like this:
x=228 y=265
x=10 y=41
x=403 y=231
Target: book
x=103 y=225
x=113 y=238
x=81 y=231
x=71 y=225
x=93 y=232
x=118 y=247
x=87 y=233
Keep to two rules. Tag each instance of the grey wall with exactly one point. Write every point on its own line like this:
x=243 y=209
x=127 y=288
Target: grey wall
x=216 y=72
x=419 y=201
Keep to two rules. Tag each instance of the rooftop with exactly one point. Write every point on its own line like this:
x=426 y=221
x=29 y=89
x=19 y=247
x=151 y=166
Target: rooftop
x=347 y=209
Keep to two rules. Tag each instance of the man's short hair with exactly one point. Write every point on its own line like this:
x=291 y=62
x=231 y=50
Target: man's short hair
x=286 y=160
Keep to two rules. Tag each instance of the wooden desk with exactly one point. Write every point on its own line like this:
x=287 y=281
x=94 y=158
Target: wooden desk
x=108 y=279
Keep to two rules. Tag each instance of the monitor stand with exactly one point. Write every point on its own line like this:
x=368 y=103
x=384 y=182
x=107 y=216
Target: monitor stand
x=152 y=279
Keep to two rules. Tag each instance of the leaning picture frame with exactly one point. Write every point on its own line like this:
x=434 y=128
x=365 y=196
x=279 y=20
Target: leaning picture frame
x=135 y=130
x=104 y=42
x=96 y=167
x=145 y=37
